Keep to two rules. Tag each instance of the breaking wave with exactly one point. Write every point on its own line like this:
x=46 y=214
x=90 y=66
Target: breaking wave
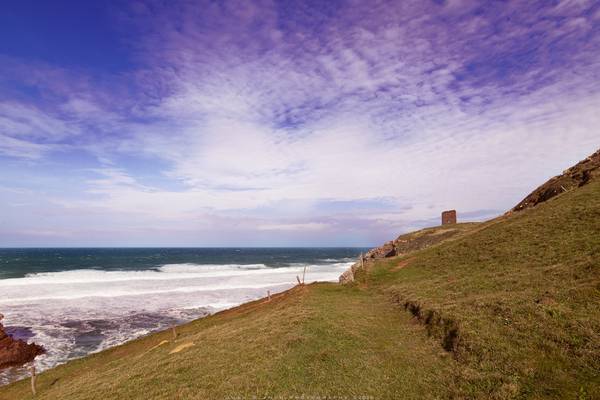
x=77 y=312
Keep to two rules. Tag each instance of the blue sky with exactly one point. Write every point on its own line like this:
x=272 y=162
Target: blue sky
x=270 y=123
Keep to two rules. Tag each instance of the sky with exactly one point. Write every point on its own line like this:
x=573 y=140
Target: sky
x=284 y=123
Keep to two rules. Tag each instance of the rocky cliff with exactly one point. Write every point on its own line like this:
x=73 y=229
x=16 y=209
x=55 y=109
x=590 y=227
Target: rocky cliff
x=574 y=177
x=16 y=352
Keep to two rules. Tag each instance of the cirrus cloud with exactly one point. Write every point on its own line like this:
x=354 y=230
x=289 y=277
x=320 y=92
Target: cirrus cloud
x=277 y=118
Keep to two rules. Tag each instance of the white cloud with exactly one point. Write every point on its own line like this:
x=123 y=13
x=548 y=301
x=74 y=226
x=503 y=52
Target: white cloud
x=310 y=226
x=383 y=106
x=14 y=147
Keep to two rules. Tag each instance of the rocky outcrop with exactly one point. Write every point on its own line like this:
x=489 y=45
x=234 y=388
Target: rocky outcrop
x=15 y=352
x=402 y=245
x=387 y=250
x=574 y=177
x=348 y=275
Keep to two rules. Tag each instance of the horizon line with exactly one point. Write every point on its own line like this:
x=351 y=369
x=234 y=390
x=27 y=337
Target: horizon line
x=183 y=247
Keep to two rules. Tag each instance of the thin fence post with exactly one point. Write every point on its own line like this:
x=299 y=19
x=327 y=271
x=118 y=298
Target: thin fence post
x=174 y=332
x=362 y=260
x=303 y=274
x=269 y=295
x=298 y=279
x=32 y=369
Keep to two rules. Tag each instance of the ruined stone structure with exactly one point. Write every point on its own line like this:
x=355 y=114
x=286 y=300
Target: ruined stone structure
x=449 y=217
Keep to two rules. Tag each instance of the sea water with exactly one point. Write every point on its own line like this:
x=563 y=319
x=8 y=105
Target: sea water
x=79 y=301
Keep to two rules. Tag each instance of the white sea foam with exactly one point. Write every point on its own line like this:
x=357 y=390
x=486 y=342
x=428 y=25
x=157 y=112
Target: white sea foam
x=196 y=268
x=73 y=313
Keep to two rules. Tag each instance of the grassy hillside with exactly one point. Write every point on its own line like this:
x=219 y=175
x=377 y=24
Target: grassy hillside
x=508 y=309
x=317 y=339
x=517 y=301
x=408 y=243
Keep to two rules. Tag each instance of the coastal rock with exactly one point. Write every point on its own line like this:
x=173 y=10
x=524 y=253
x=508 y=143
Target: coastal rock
x=348 y=275
x=385 y=251
x=15 y=352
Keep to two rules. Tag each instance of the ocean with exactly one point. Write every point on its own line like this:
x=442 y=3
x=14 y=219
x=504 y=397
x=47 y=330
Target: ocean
x=79 y=301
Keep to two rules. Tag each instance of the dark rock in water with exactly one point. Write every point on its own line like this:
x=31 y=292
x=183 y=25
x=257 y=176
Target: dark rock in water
x=14 y=352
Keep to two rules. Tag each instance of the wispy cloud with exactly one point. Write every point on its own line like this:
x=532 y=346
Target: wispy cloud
x=263 y=112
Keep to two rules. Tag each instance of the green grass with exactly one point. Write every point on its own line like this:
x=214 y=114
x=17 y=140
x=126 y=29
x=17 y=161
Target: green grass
x=523 y=292
x=322 y=339
x=508 y=309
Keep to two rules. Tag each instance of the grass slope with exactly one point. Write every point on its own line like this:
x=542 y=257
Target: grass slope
x=518 y=301
x=315 y=340
x=509 y=309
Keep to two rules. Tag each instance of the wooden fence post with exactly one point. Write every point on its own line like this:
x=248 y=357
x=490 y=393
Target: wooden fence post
x=298 y=279
x=174 y=332
x=303 y=274
x=32 y=369
x=269 y=295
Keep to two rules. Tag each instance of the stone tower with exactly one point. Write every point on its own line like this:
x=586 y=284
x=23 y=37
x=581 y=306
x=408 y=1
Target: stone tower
x=449 y=217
